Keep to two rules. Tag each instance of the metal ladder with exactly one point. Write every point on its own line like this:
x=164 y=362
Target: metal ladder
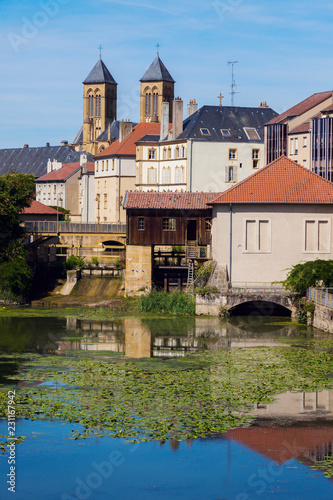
x=190 y=275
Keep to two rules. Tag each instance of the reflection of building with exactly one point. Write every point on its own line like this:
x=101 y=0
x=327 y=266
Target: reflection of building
x=137 y=339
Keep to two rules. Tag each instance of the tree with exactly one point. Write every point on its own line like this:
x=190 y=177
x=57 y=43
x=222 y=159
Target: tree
x=312 y=273
x=16 y=193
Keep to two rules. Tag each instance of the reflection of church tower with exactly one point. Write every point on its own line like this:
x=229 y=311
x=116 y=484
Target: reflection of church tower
x=99 y=102
x=157 y=85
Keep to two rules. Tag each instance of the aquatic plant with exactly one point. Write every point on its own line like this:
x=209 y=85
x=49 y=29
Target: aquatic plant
x=172 y=303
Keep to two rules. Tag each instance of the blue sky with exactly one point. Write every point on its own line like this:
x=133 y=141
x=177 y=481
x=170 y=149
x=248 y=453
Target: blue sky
x=48 y=47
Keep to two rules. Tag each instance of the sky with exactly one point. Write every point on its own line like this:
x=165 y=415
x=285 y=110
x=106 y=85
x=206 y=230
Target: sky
x=48 y=47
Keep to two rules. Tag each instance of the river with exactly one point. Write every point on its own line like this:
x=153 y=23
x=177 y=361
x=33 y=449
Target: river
x=190 y=408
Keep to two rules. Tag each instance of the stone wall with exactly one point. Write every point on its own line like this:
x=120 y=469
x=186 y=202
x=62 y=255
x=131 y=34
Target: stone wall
x=138 y=268
x=323 y=318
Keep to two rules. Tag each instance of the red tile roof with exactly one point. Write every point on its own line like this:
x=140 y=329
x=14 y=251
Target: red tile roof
x=127 y=146
x=169 y=200
x=282 y=181
x=39 y=208
x=64 y=172
x=305 y=127
x=302 y=106
x=329 y=108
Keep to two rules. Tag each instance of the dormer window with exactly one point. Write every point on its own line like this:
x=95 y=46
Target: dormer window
x=252 y=134
x=204 y=131
x=225 y=132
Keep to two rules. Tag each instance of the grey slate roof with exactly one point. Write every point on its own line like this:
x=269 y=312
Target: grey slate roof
x=150 y=138
x=232 y=118
x=100 y=74
x=34 y=160
x=157 y=72
x=114 y=132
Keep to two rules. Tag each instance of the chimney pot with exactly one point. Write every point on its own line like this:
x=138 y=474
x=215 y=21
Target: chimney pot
x=26 y=145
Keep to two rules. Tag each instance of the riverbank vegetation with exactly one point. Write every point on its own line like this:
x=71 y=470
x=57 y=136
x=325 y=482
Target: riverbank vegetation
x=170 y=303
x=16 y=193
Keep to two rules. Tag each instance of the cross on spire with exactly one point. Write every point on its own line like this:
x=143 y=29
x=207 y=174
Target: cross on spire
x=100 y=51
x=157 y=46
x=220 y=97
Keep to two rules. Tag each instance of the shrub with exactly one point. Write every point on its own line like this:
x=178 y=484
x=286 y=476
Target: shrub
x=94 y=260
x=16 y=278
x=312 y=273
x=120 y=263
x=74 y=262
x=172 y=303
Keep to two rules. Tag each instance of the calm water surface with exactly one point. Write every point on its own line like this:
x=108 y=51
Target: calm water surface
x=270 y=459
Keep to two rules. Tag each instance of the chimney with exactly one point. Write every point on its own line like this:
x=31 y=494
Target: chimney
x=49 y=166
x=192 y=107
x=47 y=144
x=64 y=143
x=125 y=129
x=26 y=145
x=164 y=121
x=83 y=163
x=263 y=104
x=177 y=117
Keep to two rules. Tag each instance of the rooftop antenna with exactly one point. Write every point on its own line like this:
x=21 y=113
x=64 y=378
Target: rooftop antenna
x=233 y=83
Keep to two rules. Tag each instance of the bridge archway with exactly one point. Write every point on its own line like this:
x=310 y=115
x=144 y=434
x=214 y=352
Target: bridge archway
x=259 y=308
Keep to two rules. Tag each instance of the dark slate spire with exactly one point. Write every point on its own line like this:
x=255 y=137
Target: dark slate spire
x=100 y=74
x=157 y=72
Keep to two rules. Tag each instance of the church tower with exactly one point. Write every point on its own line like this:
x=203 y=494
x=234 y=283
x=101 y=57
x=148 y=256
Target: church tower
x=157 y=85
x=99 y=103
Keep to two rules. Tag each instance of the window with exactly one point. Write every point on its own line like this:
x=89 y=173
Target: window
x=164 y=154
x=305 y=142
x=96 y=163
x=304 y=164
x=230 y=174
x=105 y=201
x=296 y=146
x=151 y=154
x=257 y=236
x=113 y=164
x=232 y=154
x=148 y=104
x=102 y=165
x=225 y=132
x=176 y=175
x=169 y=153
x=151 y=176
x=137 y=175
x=204 y=131
x=166 y=175
x=182 y=175
x=163 y=175
x=208 y=224
x=155 y=103
x=255 y=158
x=169 y=224
x=178 y=153
x=291 y=146
x=317 y=236
x=141 y=224
x=106 y=164
x=252 y=134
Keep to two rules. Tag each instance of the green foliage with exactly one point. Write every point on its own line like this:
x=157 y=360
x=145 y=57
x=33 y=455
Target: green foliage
x=172 y=303
x=120 y=263
x=305 y=310
x=94 y=261
x=16 y=279
x=178 y=249
x=207 y=291
x=74 y=262
x=61 y=209
x=312 y=273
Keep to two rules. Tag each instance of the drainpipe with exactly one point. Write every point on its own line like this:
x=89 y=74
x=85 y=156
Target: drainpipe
x=189 y=166
x=119 y=171
x=230 y=244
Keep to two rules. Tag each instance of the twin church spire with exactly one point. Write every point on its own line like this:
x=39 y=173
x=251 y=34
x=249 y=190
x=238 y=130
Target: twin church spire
x=100 y=97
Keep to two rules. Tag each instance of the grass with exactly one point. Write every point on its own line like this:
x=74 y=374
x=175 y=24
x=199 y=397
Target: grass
x=170 y=303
